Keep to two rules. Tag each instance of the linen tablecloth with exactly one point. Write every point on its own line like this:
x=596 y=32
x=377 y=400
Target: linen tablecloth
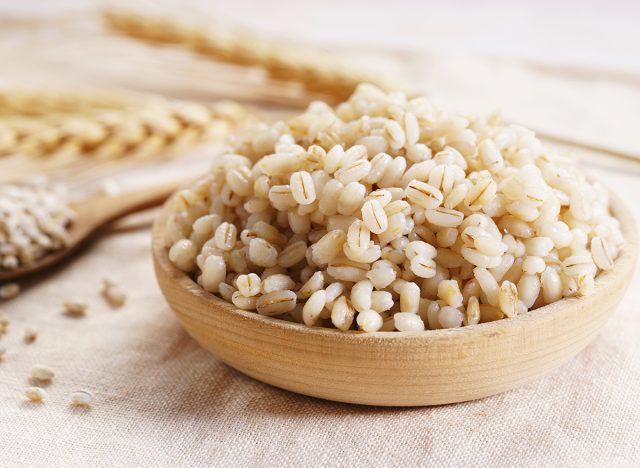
x=161 y=400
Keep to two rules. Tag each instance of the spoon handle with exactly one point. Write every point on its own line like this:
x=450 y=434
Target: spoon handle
x=102 y=210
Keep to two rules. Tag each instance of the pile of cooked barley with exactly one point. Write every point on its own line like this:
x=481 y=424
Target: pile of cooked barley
x=388 y=213
x=33 y=222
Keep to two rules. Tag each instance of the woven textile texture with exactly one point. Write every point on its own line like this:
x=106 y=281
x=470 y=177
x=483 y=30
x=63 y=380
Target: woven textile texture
x=163 y=401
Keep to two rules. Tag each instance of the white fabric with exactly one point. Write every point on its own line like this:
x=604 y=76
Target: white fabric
x=163 y=401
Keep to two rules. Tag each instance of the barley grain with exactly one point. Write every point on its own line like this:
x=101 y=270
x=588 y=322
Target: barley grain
x=472 y=312
x=342 y=314
x=82 y=398
x=9 y=291
x=42 y=373
x=35 y=394
x=450 y=317
x=313 y=307
x=410 y=216
x=408 y=322
x=75 y=307
x=276 y=303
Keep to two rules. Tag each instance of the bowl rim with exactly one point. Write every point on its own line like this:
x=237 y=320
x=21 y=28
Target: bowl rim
x=624 y=264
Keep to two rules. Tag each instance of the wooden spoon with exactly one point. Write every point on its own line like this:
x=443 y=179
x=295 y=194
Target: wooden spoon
x=392 y=368
x=93 y=214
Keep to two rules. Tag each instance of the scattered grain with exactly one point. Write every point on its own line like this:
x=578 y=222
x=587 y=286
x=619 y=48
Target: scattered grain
x=75 y=307
x=35 y=394
x=30 y=334
x=82 y=398
x=42 y=373
x=9 y=291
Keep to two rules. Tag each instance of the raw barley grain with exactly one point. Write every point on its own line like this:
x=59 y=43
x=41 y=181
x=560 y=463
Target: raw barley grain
x=42 y=373
x=35 y=394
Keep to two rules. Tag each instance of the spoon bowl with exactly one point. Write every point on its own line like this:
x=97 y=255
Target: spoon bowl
x=91 y=215
x=390 y=368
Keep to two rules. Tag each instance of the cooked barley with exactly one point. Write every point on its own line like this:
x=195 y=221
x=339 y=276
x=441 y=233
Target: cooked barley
x=444 y=217
x=249 y=285
x=313 y=307
x=276 y=303
x=214 y=272
x=408 y=321
x=600 y=253
x=539 y=246
x=508 y=299
x=226 y=291
x=183 y=254
x=423 y=194
x=302 y=188
x=488 y=285
x=369 y=321
x=472 y=312
x=409 y=297
x=333 y=291
x=361 y=295
x=505 y=265
x=385 y=214
x=421 y=248
x=450 y=317
x=449 y=292
x=313 y=284
x=277 y=282
x=374 y=216
x=533 y=265
x=529 y=289
x=262 y=253
x=381 y=301
x=342 y=314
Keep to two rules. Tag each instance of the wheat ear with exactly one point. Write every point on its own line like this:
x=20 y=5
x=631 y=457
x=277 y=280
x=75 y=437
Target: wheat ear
x=314 y=70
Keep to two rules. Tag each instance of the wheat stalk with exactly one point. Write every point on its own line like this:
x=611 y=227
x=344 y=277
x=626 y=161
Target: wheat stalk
x=24 y=102
x=108 y=128
x=315 y=71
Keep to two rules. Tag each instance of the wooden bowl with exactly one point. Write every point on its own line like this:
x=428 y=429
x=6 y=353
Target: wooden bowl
x=390 y=368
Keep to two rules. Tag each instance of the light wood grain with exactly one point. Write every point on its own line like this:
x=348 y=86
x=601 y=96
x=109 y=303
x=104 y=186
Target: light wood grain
x=389 y=368
x=92 y=215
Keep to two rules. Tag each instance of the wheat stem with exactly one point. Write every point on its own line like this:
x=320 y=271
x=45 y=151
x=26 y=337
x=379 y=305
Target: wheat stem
x=315 y=71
